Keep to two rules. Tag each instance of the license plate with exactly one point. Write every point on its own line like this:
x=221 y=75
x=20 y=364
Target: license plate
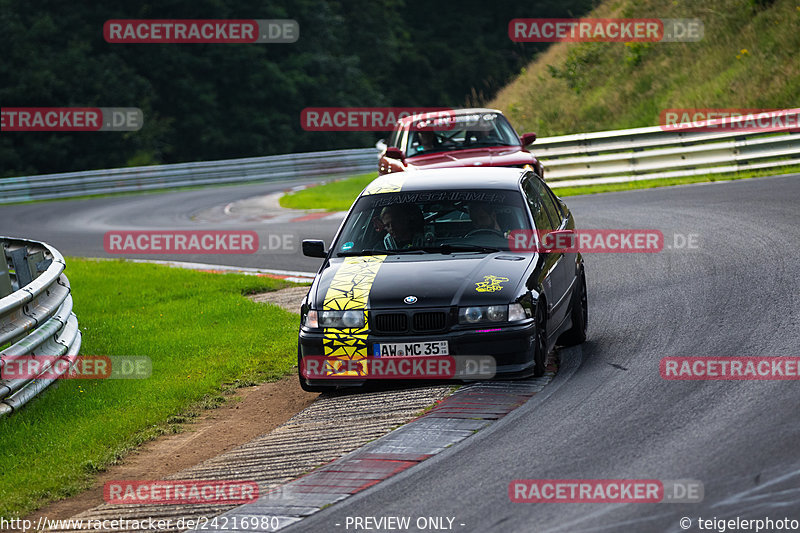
x=410 y=349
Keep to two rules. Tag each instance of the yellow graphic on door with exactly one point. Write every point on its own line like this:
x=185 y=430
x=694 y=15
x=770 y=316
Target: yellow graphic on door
x=490 y=284
x=349 y=289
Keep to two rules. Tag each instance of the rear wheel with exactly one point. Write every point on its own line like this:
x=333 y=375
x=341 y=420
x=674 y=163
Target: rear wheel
x=540 y=343
x=580 y=315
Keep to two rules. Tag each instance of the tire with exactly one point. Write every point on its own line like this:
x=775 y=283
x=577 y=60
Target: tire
x=579 y=313
x=312 y=388
x=540 y=344
x=303 y=384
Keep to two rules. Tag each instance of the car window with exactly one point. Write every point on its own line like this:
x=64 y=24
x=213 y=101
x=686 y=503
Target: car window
x=550 y=205
x=394 y=140
x=460 y=132
x=505 y=130
x=537 y=205
x=431 y=219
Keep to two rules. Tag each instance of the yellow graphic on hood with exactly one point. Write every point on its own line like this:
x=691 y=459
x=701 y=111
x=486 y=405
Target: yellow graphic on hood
x=490 y=284
x=349 y=289
x=386 y=183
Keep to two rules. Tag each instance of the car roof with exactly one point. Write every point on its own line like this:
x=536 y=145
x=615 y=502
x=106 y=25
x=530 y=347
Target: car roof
x=455 y=112
x=458 y=178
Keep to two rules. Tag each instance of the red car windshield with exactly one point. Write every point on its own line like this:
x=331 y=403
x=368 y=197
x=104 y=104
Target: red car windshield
x=460 y=132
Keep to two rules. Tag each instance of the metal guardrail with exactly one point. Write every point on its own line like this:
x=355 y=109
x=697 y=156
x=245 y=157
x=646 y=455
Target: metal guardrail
x=579 y=159
x=655 y=152
x=270 y=168
x=36 y=317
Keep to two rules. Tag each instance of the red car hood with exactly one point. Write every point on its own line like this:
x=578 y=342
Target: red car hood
x=501 y=156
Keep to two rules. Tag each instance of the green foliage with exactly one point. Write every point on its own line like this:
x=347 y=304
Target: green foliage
x=218 y=101
x=635 y=52
x=578 y=67
x=746 y=59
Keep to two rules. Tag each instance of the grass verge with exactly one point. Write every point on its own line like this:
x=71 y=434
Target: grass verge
x=339 y=195
x=204 y=339
x=334 y=196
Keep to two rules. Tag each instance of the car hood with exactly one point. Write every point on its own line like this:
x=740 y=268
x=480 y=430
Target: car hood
x=491 y=157
x=383 y=282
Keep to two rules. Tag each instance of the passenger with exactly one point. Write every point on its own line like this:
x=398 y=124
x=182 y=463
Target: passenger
x=405 y=226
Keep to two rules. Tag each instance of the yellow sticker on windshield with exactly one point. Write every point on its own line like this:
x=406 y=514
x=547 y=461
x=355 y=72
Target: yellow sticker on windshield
x=490 y=284
x=387 y=183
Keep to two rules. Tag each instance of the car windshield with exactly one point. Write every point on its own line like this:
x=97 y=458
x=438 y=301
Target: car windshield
x=460 y=132
x=451 y=221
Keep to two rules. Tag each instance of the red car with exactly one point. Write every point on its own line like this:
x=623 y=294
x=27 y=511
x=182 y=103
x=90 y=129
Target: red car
x=457 y=138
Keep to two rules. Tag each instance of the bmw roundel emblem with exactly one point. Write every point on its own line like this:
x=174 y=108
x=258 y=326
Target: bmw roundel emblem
x=410 y=299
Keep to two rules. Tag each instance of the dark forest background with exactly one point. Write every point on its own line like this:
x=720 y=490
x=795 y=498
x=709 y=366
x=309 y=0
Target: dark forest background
x=218 y=101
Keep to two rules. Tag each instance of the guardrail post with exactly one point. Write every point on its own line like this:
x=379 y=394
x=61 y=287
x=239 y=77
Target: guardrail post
x=37 y=263
x=27 y=267
x=5 y=277
x=20 y=264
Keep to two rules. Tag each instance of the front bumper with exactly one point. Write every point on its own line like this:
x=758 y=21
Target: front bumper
x=511 y=346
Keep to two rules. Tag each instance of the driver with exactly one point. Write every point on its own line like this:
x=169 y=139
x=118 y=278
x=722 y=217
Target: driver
x=404 y=226
x=483 y=216
x=428 y=140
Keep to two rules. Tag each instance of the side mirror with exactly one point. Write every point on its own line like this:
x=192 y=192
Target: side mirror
x=314 y=248
x=528 y=138
x=381 y=145
x=395 y=153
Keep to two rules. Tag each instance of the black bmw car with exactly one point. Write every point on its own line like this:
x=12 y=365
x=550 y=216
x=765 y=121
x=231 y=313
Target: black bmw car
x=425 y=265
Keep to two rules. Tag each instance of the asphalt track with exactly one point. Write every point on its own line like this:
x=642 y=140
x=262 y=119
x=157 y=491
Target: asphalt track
x=608 y=414
x=77 y=227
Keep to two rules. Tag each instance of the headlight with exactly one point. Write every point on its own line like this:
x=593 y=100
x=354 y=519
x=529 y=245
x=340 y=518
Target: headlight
x=491 y=313
x=470 y=314
x=352 y=318
x=516 y=312
x=496 y=313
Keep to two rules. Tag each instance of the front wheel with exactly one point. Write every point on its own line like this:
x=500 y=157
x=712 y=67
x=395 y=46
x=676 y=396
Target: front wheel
x=580 y=315
x=540 y=344
x=303 y=385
